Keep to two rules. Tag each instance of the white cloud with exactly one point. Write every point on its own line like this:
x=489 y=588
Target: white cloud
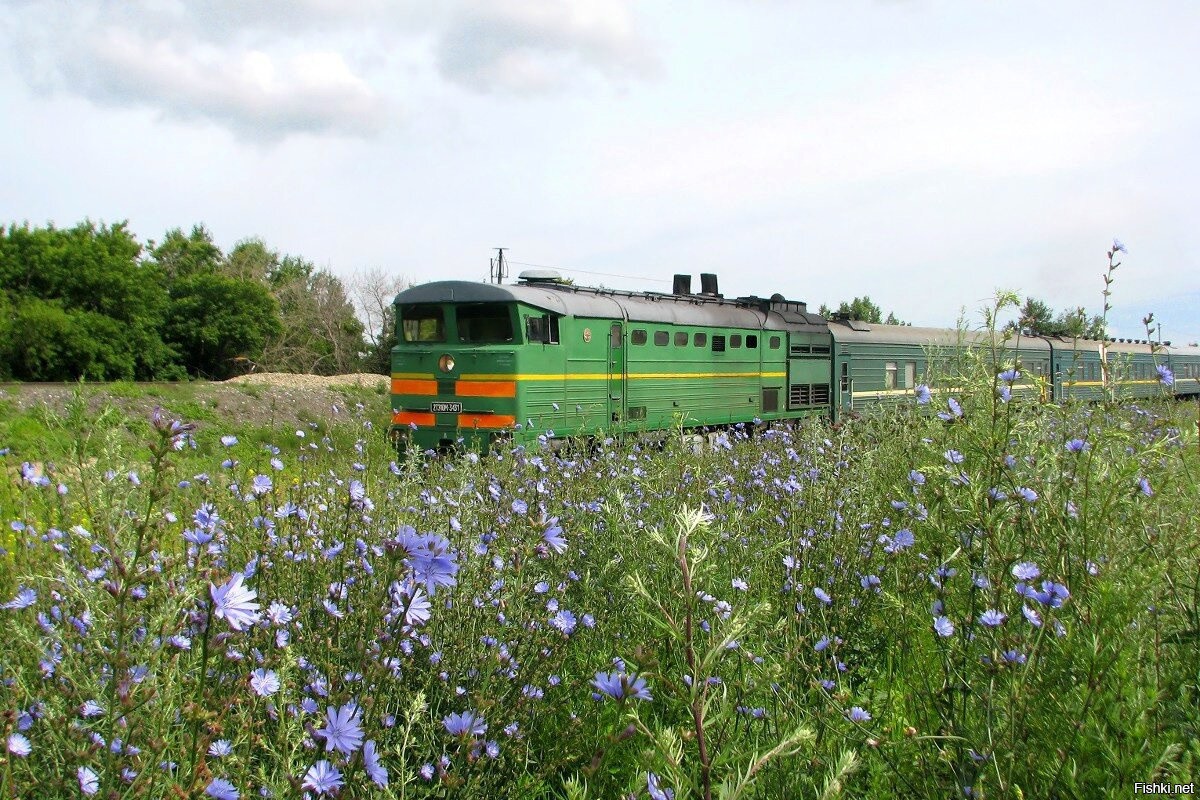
x=533 y=46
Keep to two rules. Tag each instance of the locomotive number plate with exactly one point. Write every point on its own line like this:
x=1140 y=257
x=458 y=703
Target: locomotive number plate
x=445 y=408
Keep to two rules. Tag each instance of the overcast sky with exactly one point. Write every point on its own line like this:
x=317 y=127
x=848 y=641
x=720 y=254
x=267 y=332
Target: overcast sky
x=923 y=153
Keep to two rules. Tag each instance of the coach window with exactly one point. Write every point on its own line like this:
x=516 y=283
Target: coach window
x=681 y=338
x=910 y=374
x=735 y=340
x=751 y=340
x=638 y=336
x=700 y=340
x=774 y=342
x=423 y=323
x=889 y=375
x=661 y=338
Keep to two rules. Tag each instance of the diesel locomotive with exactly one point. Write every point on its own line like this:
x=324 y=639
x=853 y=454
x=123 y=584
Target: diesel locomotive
x=480 y=362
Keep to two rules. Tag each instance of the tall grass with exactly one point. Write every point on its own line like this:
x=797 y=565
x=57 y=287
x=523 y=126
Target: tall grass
x=969 y=597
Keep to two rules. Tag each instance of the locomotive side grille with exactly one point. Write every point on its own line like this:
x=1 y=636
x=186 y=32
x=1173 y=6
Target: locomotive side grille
x=808 y=394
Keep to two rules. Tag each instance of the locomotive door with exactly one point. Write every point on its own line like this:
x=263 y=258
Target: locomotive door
x=616 y=373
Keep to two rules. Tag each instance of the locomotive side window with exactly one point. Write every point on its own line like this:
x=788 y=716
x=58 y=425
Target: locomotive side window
x=774 y=342
x=661 y=338
x=735 y=340
x=637 y=336
x=681 y=339
x=422 y=323
x=541 y=329
x=484 y=323
x=751 y=340
x=700 y=340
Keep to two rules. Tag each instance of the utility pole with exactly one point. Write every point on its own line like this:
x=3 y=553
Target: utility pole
x=497 y=269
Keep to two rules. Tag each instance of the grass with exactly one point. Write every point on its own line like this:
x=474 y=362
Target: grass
x=1000 y=602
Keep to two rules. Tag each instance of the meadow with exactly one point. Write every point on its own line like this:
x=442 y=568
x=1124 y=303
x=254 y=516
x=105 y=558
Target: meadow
x=966 y=597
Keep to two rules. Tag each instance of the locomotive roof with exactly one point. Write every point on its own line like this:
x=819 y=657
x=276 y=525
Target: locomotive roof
x=690 y=309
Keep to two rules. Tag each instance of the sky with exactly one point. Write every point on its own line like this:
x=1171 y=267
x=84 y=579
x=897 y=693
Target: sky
x=927 y=153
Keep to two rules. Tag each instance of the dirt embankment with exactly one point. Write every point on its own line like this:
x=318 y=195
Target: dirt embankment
x=256 y=399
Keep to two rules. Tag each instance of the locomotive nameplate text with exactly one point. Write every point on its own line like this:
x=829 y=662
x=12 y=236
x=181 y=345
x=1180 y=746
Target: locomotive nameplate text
x=445 y=408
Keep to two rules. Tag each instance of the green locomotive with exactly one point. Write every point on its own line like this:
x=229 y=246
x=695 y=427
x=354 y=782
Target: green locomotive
x=479 y=362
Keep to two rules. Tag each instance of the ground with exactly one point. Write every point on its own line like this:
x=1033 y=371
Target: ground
x=258 y=399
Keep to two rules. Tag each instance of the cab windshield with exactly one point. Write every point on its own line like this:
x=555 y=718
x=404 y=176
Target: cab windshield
x=484 y=323
x=422 y=323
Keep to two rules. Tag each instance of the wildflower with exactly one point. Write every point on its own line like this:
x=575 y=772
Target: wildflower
x=740 y=584
x=923 y=394
x=554 y=539
x=657 y=792
x=234 y=603
x=465 y=723
x=220 y=748
x=822 y=595
x=943 y=626
x=91 y=709
x=1077 y=446
x=1009 y=375
x=916 y=478
x=956 y=411
x=376 y=771
x=221 y=789
x=563 y=621
x=1013 y=656
x=492 y=749
x=619 y=685
x=1165 y=376
x=1027 y=494
x=903 y=540
x=426 y=771
x=1025 y=571
x=342 y=730
x=24 y=599
x=323 y=778
x=1032 y=616
x=1005 y=393
x=19 y=745
x=992 y=618
x=89 y=781
x=264 y=682
x=953 y=456
x=857 y=714
x=229 y=441
x=1118 y=246
x=1144 y=487
x=261 y=484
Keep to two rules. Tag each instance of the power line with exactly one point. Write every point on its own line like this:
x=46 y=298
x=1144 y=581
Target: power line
x=587 y=272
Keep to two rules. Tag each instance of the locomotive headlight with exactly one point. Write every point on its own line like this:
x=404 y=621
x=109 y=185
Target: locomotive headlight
x=446 y=363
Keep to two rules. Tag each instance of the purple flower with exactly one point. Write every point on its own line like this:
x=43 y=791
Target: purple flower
x=822 y=595
x=221 y=789
x=953 y=456
x=563 y=621
x=554 y=539
x=261 y=484
x=620 y=685
x=1165 y=376
x=229 y=441
x=19 y=745
x=923 y=394
x=24 y=599
x=264 y=682
x=992 y=618
x=322 y=778
x=657 y=792
x=903 y=540
x=857 y=714
x=943 y=626
x=342 y=730
x=91 y=708
x=1027 y=494
x=466 y=723
x=220 y=748
x=234 y=603
x=1025 y=571
x=89 y=781
x=1009 y=375
x=376 y=771
x=1077 y=446
x=1144 y=487
x=1118 y=247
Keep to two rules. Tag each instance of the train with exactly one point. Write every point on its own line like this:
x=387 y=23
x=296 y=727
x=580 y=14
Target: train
x=544 y=359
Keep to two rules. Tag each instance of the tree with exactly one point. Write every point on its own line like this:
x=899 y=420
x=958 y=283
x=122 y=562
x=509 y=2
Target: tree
x=1038 y=319
x=860 y=308
x=216 y=321
x=320 y=332
x=182 y=256
x=373 y=293
x=251 y=260
x=83 y=304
